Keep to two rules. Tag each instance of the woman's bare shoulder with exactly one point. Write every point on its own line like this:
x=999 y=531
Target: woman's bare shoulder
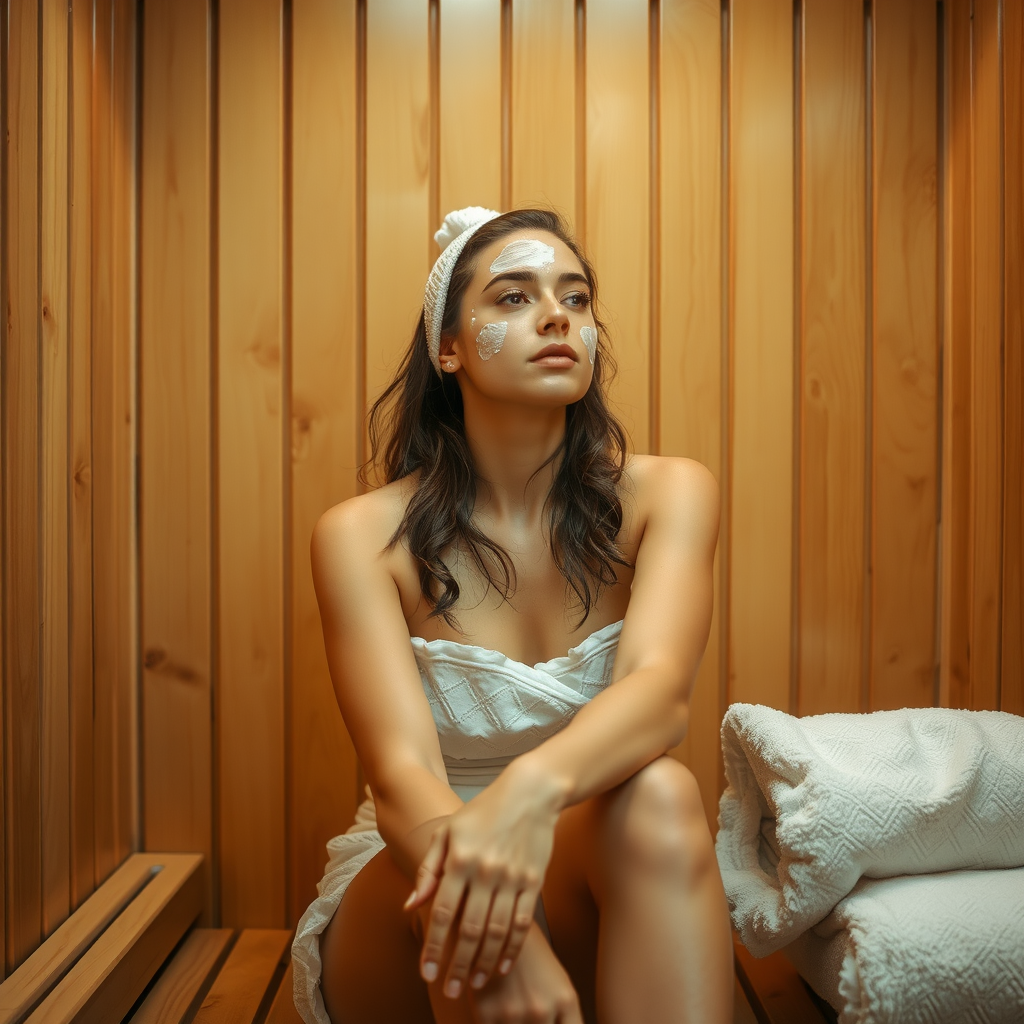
x=657 y=478
x=364 y=523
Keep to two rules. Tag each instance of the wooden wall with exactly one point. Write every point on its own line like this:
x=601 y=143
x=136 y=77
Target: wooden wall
x=68 y=405
x=806 y=220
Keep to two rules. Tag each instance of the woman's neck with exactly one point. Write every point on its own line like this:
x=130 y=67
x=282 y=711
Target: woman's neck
x=508 y=448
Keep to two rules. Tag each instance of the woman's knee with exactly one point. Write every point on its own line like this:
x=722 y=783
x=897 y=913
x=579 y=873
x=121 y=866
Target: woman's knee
x=659 y=823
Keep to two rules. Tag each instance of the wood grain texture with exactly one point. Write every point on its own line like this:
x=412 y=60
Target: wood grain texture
x=986 y=359
x=21 y=499
x=617 y=197
x=774 y=989
x=1011 y=694
x=399 y=236
x=184 y=977
x=245 y=977
x=282 y=1010
x=55 y=411
x=4 y=141
x=954 y=616
x=832 y=338
x=81 y=754
x=689 y=374
x=106 y=398
x=761 y=350
x=250 y=350
x=38 y=974
x=104 y=983
x=543 y=128
x=905 y=356
x=326 y=413
x=175 y=443
x=470 y=105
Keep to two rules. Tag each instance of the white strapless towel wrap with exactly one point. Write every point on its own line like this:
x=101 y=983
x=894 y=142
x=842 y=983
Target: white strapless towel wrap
x=488 y=709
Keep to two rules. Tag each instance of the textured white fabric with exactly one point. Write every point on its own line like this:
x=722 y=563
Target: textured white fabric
x=452 y=236
x=814 y=804
x=945 y=948
x=488 y=709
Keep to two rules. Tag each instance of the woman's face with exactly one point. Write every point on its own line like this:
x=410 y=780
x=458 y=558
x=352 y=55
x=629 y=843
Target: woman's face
x=526 y=331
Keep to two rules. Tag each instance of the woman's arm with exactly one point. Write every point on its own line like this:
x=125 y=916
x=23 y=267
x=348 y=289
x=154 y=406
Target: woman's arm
x=646 y=712
x=374 y=673
x=632 y=722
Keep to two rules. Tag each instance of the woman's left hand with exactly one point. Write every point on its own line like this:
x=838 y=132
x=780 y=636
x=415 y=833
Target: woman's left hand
x=489 y=859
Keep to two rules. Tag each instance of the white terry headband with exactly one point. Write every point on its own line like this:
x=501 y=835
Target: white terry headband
x=454 y=233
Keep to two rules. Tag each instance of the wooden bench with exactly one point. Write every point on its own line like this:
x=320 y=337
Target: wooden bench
x=132 y=953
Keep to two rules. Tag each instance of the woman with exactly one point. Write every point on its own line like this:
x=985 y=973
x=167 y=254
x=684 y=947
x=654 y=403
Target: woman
x=577 y=882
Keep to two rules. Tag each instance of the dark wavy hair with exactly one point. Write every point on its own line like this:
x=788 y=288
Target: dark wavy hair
x=417 y=424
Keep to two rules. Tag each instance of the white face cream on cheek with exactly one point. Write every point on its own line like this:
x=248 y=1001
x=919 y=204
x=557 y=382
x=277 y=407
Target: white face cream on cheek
x=490 y=339
x=523 y=252
x=589 y=336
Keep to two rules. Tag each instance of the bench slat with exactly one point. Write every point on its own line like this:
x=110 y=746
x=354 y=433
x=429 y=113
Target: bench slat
x=243 y=981
x=184 y=977
x=112 y=973
x=742 y=1013
x=283 y=1010
x=31 y=981
x=776 y=992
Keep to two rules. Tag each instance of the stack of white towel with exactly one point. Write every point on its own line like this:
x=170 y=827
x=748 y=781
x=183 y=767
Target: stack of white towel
x=885 y=853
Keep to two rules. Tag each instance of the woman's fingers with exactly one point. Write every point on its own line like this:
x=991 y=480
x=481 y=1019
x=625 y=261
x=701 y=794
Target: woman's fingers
x=429 y=872
x=471 y=932
x=522 y=918
x=443 y=912
x=495 y=936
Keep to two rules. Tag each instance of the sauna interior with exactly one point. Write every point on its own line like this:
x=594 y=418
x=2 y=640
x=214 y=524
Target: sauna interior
x=217 y=218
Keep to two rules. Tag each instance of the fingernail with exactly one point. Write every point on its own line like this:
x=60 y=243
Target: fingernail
x=429 y=971
x=453 y=988
x=506 y=966
x=479 y=979
x=412 y=896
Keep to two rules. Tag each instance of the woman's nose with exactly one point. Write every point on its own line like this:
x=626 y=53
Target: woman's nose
x=555 y=318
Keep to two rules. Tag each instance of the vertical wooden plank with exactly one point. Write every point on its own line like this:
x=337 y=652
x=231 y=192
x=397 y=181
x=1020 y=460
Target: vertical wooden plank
x=124 y=281
x=986 y=358
x=905 y=356
x=21 y=440
x=56 y=796
x=397 y=177
x=617 y=198
x=175 y=385
x=543 y=122
x=690 y=266
x=1011 y=696
x=113 y=436
x=83 y=879
x=470 y=99
x=250 y=341
x=761 y=349
x=954 y=616
x=114 y=419
x=326 y=417
x=832 y=325
x=4 y=302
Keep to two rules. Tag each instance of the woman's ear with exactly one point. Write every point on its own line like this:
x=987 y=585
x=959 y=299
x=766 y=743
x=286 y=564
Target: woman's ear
x=450 y=361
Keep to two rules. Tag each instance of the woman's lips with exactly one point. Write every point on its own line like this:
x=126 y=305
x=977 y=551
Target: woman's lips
x=555 y=355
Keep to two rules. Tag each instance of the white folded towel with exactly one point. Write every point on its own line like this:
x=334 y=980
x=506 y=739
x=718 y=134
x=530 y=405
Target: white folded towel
x=814 y=804
x=946 y=948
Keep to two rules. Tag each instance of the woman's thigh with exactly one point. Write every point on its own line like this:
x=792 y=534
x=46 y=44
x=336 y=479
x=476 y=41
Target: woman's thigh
x=370 y=955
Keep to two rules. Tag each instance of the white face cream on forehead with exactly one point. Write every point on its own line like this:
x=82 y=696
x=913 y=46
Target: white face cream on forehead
x=589 y=336
x=524 y=252
x=490 y=339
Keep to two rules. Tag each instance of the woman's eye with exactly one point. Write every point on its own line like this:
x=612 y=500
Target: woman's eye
x=513 y=298
x=578 y=300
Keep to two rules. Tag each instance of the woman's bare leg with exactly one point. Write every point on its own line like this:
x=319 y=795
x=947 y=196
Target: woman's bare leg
x=370 y=957
x=640 y=858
